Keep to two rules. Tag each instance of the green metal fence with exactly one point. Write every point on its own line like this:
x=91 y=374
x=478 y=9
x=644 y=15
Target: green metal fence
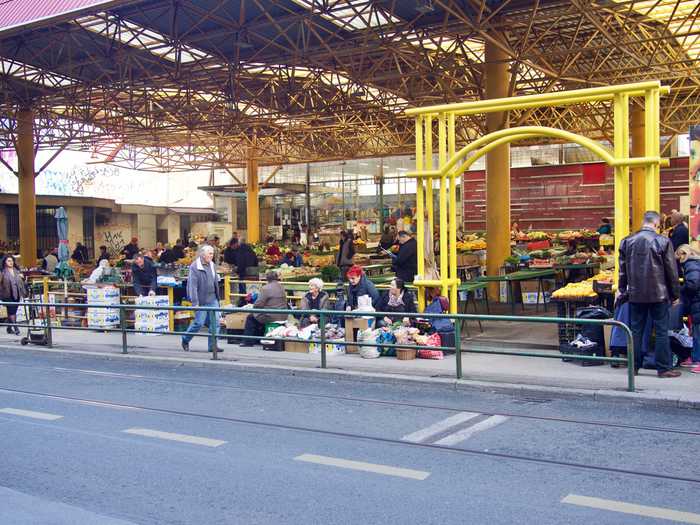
x=324 y=316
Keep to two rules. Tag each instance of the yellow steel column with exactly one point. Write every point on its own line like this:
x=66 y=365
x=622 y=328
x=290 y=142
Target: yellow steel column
x=27 y=191
x=639 y=172
x=442 y=160
x=429 y=166
x=651 y=148
x=453 y=213
x=420 y=211
x=253 y=201
x=497 y=168
x=622 y=184
x=171 y=313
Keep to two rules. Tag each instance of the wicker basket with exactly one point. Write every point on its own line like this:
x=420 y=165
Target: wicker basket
x=405 y=354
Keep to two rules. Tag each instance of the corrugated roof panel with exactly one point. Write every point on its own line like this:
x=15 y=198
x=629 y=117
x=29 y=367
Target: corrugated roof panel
x=16 y=13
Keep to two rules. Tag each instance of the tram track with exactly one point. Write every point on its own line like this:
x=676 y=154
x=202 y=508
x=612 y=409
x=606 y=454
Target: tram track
x=333 y=397
x=361 y=437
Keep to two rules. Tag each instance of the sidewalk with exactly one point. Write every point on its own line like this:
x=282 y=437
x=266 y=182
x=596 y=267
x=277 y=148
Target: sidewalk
x=545 y=377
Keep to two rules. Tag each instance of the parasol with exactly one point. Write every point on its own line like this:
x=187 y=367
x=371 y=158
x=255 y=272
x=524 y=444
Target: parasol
x=63 y=269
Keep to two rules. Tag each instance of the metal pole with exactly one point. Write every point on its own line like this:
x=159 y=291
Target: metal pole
x=122 y=327
x=308 y=201
x=322 y=324
x=342 y=193
x=381 y=197
x=630 y=360
x=212 y=336
x=458 y=347
x=47 y=320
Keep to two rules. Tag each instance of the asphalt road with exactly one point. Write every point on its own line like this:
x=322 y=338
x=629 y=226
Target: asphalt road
x=94 y=441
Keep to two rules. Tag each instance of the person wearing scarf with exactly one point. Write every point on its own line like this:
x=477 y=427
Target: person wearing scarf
x=397 y=300
x=11 y=290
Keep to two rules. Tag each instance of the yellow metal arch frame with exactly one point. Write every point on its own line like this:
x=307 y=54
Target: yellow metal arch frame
x=451 y=163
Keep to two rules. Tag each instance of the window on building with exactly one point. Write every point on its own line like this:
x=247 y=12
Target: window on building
x=89 y=230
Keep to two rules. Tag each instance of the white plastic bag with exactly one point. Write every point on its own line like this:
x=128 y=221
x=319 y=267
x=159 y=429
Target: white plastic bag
x=368 y=336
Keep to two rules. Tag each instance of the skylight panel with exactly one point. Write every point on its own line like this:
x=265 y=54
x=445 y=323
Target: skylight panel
x=349 y=14
x=136 y=36
x=32 y=74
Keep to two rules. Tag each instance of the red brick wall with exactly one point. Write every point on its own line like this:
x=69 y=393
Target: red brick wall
x=555 y=197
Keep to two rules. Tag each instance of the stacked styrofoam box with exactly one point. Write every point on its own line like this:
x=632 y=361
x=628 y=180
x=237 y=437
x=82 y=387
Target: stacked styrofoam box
x=152 y=320
x=103 y=317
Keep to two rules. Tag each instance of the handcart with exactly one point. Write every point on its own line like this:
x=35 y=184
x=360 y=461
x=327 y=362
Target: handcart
x=37 y=324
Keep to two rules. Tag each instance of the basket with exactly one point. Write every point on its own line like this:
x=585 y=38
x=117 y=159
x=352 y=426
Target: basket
x=405 y=354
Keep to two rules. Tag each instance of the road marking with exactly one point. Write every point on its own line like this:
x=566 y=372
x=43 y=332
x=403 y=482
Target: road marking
x=30 y=413
x=108 y=405
x=632 y=508
x=96 y=372
x=365 y=467
x=468 y=432
x=183 y=438
x=439 y=427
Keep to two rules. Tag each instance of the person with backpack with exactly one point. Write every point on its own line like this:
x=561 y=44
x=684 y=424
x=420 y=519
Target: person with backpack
x=690 y=295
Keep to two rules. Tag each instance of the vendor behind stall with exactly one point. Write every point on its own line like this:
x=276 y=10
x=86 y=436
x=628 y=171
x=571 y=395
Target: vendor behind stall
x=143 y=275
x=242 y=257
x=405 y=261
x=438 y=304
x=50 y=262
x=131 y=249
x=314 y=299
x=360 y=285
x=293 y=258
x=346 y=251
x=167 y=256
x=80 y=254
x=272 y=296
x=605 y=228
x=397 y=299
x=103 y=256
x=388 y=237
x=274 y=250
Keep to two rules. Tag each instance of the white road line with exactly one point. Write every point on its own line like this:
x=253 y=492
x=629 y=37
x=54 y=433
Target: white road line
x=183 y=438
x=386 y=470
x=468 y=432
x=631 y=508
x=96 y=372
x=107 y=405
x=439 y=427
x=30 y=413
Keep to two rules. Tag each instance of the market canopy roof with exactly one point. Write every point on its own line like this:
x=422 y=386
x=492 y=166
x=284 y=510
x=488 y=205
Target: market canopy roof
x=167 y=85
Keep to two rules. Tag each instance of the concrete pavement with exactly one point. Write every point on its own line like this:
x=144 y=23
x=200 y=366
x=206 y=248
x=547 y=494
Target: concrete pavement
x=307 y=450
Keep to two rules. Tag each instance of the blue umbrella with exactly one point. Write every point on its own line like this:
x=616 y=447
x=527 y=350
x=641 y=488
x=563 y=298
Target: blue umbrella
x=63 y=269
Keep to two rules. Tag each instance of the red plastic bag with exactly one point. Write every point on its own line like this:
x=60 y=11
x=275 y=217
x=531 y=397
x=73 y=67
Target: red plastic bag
x=429 y=354
x=433 y=340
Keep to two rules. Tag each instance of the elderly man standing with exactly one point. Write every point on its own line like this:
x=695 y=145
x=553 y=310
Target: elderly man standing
x=649 y=277
x=203 y=290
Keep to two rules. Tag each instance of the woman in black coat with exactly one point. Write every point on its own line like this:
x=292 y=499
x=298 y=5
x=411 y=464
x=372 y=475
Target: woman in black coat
x=690 y=294
x=397 y=300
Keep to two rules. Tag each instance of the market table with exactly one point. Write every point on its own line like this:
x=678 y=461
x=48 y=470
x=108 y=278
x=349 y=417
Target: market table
x=519 y=276
x=470 y=288
x=589 y=268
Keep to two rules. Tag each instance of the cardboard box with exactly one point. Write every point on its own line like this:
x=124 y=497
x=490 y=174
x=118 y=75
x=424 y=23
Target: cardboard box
x=531 y=286
x=235 y=321
x=531 y=297
x=299 y=347
x=331 y=348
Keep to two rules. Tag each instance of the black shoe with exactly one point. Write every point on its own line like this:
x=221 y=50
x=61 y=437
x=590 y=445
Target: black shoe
x=16 y=331
x=10 y=330
x=185 y=346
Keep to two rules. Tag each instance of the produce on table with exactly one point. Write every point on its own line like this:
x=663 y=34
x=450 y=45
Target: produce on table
x=470 y=246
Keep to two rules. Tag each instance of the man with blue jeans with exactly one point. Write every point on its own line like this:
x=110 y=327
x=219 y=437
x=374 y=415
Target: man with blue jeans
x=203 y=290
x=649 y=277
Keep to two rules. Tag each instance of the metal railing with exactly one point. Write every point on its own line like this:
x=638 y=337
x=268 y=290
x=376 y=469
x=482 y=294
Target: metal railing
x=324 y=316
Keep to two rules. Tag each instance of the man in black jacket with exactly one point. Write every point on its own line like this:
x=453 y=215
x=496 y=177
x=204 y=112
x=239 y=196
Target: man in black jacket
x=679 y=235
x=242 y=256
x=405 y=262
x=143 y=275
x=649 y=277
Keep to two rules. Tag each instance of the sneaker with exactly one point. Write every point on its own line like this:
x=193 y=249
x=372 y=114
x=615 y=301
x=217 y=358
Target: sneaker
x=669 y=374
x=185 y=346
x=696 y=370
x=689 y=363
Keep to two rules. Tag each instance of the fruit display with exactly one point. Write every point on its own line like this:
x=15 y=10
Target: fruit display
x=575 y=290
x=576 y=234
x=471 y=245
x=319 y=261
x=290 y=272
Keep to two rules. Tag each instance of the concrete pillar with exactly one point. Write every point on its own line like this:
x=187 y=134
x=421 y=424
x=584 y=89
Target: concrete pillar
x=252 y=201
x=27 y=191
x=637 y=174
x=497 y=168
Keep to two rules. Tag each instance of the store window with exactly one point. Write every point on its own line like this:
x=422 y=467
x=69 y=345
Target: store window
x=47 y=236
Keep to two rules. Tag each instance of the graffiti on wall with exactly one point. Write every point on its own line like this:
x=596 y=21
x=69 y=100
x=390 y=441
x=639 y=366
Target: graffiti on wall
x=114 y=241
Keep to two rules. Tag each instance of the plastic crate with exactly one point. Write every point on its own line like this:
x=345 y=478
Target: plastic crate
x=567 y=309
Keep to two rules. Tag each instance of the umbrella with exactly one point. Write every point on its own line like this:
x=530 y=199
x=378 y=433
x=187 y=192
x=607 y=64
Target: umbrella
x=63 y=269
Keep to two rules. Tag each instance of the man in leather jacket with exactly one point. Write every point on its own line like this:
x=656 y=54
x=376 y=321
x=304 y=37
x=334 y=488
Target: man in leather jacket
x=649 y=278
